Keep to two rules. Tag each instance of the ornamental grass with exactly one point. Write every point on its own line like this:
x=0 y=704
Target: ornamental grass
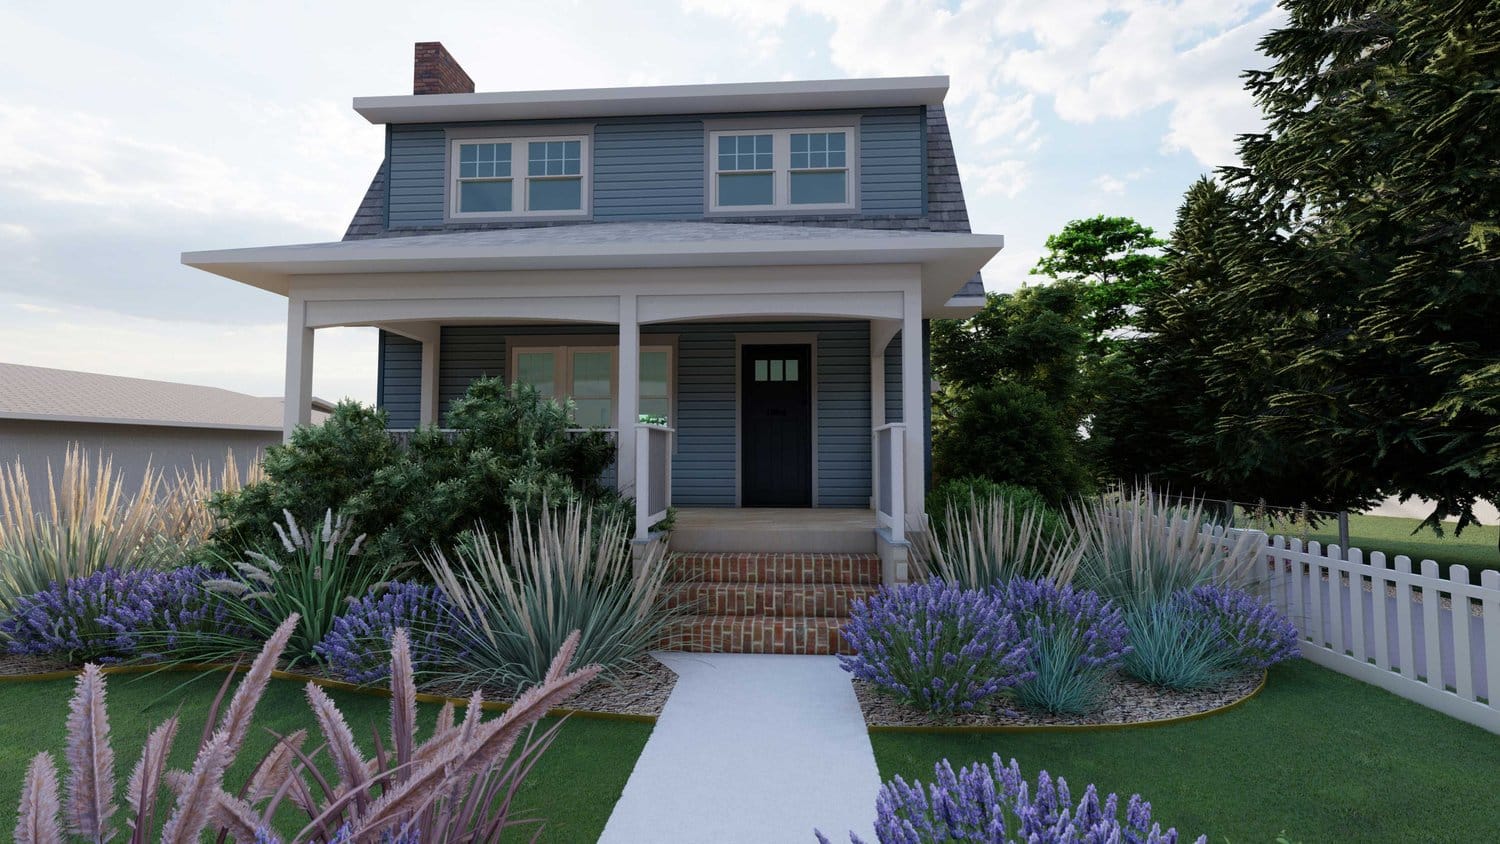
x=987 y=539
x=1077 y=640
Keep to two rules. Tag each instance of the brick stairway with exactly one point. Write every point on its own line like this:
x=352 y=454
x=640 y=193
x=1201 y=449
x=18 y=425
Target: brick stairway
x=768 y=603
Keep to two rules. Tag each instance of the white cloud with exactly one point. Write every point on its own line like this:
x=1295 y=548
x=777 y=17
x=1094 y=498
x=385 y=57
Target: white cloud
x=1110 y=184
x=999 y=178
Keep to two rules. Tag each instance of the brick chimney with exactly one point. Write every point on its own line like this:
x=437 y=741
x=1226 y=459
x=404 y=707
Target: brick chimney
x=437 y=72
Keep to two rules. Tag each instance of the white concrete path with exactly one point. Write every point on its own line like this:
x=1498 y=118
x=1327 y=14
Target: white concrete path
x=751 y=748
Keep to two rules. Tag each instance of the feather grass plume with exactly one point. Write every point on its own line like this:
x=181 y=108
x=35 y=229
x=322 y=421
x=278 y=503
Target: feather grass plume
x=144 y=785
x=91 y=761
x=36 y=821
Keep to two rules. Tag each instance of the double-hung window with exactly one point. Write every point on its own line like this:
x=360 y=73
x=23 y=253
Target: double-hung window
x=514 y=177
x=781 y=170
x=588 y=376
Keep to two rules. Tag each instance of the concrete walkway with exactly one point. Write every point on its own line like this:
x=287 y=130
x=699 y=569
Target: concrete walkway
x=751 y=748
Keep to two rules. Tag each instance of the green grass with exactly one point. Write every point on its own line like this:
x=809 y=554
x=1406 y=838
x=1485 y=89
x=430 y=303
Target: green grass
x=574 y=787
x=1317 y=754
x=1474 y=548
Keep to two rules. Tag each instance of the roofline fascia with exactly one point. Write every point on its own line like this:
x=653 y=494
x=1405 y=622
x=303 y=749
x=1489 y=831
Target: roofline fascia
x=145 y=423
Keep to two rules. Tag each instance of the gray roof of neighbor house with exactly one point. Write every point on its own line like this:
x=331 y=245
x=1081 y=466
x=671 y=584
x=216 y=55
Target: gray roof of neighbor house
x=946 y=209
x=64 y=395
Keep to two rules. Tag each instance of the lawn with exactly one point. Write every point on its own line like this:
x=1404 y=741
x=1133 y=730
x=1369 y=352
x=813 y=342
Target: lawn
x=574 y=787
x=1475 y=548
x=1316 y=754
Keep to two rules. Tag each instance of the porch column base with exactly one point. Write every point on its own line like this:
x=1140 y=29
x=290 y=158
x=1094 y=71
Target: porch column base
x=895 y=559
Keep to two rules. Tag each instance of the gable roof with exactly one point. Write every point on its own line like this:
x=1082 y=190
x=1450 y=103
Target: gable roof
x=65 y=395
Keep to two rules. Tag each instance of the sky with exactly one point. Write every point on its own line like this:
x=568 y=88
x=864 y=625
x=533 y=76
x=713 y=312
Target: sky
x=130 y=133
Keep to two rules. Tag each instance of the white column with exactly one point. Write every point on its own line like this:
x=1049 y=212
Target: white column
x=881 y=332
x=628 y=359
x=431 y=349
x=297 y=404
x=912 y=386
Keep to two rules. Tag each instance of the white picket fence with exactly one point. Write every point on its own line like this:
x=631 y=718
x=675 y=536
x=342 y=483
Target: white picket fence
x=1433 y=639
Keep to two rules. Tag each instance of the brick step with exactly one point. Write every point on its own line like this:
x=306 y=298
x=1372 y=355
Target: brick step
x=757 y=634
x=849 y=569
x=829 y=600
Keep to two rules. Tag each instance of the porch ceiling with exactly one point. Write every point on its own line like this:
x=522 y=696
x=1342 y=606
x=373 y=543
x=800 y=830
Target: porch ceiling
x=947 y=259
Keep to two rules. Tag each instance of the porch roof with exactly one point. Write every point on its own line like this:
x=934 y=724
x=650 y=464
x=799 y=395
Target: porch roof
x=948 y=259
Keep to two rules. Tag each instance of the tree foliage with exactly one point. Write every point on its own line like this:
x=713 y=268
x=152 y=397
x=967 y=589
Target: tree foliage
x=1115 y=262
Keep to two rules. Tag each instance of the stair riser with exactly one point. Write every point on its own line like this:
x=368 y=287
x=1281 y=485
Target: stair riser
x=829 y=601
x=800 y=569
x=759 y=635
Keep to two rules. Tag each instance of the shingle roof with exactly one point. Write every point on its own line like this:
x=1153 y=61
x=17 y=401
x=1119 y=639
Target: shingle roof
x=946 y=209
x=36 y=392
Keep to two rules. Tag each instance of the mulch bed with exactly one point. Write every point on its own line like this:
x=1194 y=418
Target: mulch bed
x=1128 y=701
x=11 y=664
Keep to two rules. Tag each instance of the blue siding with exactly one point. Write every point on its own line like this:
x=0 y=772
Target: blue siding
x=893 y=380
x=890 y=163
x=648 y=170
x=704 y=465
x=416 y=187
x=400 y=387
x=653 y=168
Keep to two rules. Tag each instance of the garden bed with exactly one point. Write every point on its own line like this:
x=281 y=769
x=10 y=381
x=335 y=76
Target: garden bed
x=1127 y=702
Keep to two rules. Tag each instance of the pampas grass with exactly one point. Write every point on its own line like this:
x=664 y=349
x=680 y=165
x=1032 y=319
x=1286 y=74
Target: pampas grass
x=36 y=821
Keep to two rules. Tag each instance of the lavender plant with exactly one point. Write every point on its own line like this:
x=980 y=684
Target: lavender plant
x=995 y=804
x=115 y=614
x=1257 y=635
x=936 y=646
x=1077 y=640
x=358 y=646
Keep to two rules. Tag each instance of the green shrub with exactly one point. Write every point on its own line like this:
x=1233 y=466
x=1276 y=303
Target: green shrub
x=1012 y=433
x=507 y=449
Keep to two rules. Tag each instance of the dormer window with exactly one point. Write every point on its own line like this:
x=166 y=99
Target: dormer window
x=781 y=170
x=519 y=177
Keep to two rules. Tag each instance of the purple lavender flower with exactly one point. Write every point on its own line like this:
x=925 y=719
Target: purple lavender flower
x=936 y=646
x=358 y=645
x=1258 y=635
x=994 y=803
x=1077 y=639
x=111 y=615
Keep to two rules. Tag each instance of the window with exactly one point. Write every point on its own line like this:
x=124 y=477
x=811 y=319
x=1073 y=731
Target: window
x=589 y=376
x=777 y=370
x=782 y=170
x=490 y=180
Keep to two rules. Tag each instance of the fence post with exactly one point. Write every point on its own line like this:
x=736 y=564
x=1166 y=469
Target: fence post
x=1228 y=514
x=1344 y=533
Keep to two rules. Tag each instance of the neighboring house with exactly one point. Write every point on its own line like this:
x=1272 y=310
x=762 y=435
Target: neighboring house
x=754 y=263
x=132 y=421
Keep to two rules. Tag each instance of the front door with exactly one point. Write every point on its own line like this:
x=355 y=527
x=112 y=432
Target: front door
x=776 y=426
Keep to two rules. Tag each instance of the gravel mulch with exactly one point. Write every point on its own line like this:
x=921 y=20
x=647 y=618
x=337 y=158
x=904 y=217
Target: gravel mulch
x=641 y=692
x=1128 y=701
x=12 y=664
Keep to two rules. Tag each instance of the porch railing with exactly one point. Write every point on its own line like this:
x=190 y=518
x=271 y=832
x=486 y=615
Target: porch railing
x=653 y=476
x=889 y=458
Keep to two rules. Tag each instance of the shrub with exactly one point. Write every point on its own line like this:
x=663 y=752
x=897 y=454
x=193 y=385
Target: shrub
x=112 y=615
x=994 y=803
x=1013 y=433
x=1252 y=630
x=1177 y=649
x=358 y=647
x=958 y=493
x=507 y=449
x=935 y=646
x=568 y=568
x=1139 y=549
x=983 y=540
x=1077 y=640
x=453 y=787
x=312 y=574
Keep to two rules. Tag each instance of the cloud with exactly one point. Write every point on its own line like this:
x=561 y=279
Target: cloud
x=999 y=178
x=1110 y=184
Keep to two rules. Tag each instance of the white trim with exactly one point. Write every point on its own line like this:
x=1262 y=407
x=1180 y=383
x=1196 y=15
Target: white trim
x=770 y=338
x=144 y=423
x=781 y=170
x=582 y=103
x=519 y=178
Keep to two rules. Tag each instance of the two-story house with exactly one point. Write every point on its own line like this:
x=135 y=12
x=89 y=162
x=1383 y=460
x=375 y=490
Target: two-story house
x=737 y=279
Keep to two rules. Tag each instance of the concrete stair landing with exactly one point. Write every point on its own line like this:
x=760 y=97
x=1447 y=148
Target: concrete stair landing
x=774 y=530
x=768 y=603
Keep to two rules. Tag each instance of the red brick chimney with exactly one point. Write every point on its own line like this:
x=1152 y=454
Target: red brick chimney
x=437 y=72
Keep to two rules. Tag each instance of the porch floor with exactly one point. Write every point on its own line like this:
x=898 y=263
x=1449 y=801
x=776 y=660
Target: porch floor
x=775 y=530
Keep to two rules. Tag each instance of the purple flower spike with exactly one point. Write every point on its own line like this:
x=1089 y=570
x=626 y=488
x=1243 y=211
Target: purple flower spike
x=1259 y=635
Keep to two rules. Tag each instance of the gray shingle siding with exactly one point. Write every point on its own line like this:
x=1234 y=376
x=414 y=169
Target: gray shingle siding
x=704 y=465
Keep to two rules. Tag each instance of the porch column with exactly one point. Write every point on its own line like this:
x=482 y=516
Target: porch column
x=881 y=333
x=912 y=385
x=431 y=350
x=297 y=405
x=628 y=359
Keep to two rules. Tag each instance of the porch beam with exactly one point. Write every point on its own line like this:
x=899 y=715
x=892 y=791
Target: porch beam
x=912 y=384
x=628 y=362
x=297 y=402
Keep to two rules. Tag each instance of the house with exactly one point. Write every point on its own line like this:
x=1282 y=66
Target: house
x=750 y=268
x=133 y=422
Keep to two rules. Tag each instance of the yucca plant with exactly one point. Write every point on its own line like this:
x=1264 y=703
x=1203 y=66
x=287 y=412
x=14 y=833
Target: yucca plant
x=455 y=787
x=988 y=540
x=93 y=520
x=311 y=573
x=562 y=570
x=1138 y=549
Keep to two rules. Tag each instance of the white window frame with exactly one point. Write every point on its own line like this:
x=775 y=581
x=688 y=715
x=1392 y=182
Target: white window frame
x=562 y=373
x=520 y=177
x=781 y=170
